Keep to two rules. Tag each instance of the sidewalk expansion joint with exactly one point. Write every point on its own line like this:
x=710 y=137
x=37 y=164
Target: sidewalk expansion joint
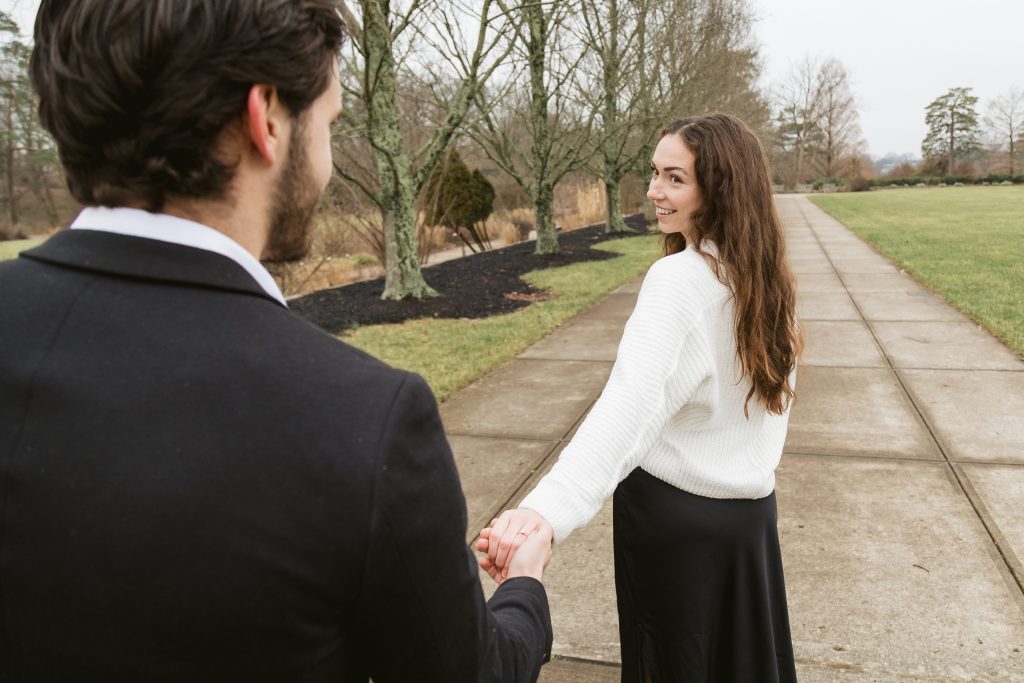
x=1011 y=563
x=863 y=456
x=504 y=437
x=525 y=484
x=584 y=660
x=566 y=360
x=900 y=458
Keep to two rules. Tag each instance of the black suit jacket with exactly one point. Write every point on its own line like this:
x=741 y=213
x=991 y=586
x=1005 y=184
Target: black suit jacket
x=198 y=485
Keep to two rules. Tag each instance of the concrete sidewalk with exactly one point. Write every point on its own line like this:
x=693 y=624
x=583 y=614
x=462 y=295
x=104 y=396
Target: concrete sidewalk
x=901 y=490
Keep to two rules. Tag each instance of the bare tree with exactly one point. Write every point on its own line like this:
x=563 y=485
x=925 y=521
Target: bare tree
x=816 y=121
x=30 y=164
x=798 y=101
x=546 y=111
x=838 y=119
x=712 y=64
x=388 y=39
x=617 y=38
x=1005 y=121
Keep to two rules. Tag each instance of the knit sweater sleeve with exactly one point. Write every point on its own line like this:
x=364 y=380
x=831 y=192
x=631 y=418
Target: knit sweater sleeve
x=662 y=360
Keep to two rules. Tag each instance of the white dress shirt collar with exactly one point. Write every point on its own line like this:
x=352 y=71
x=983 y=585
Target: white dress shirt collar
x=160 y=226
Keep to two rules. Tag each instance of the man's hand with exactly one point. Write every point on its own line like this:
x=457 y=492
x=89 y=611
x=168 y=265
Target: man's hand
x=518 y=543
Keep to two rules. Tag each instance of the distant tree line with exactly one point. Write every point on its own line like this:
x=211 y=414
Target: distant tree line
x=454 y=107
x=29 y=169
x=538 y=91
x=444 y=98
x=962 y=142
x=439 y=94
x=815 y=136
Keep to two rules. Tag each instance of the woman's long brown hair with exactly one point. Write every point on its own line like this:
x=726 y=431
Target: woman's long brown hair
x=737 y=214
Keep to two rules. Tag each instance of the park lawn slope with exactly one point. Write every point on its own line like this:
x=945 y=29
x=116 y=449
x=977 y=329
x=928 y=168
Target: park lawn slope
x=451 y=354
x=966 y=243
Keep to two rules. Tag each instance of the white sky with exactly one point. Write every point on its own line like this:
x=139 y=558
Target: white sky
x=24 y=12
x=900 y=54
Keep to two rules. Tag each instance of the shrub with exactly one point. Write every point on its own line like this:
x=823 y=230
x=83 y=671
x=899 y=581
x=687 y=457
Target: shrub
x=858 y=184
x=362 y=259
x=510 y=226
x=826 y=184
x=510 y=234
x=459 y=199
x=947 y=181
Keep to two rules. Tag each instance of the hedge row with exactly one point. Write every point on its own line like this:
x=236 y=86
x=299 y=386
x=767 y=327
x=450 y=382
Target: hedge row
x=934 y=181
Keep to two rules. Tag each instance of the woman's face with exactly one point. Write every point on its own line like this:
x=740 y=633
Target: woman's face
x=673 y=186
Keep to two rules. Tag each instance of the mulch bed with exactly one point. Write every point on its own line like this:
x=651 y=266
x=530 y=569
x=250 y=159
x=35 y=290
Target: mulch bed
x=476 y=286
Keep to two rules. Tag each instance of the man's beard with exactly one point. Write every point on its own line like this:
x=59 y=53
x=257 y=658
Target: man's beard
x=295 y=200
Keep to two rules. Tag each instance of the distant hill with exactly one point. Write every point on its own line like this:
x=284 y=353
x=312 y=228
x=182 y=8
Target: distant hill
x=884 y=164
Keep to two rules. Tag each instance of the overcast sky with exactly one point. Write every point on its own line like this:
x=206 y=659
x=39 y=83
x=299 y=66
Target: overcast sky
x=901 y=54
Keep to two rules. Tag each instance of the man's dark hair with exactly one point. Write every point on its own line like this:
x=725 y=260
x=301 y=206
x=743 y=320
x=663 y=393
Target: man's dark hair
x=138 y=92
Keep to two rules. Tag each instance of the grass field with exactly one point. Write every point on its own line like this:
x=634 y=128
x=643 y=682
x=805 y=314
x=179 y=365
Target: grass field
x=11 y=248
x=966 y=243
x=451 y=354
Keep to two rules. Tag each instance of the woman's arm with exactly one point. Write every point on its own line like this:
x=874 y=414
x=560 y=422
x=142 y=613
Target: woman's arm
x=663 y=358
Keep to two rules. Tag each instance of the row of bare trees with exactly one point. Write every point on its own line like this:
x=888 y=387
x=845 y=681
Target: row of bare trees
x=815 y=132
x=539 y=89
x=1004 y=122
x=816 y=127
x=29 y=166
x=960 y=140
x=963 y=143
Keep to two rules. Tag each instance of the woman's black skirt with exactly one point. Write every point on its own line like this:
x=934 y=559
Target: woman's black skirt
x=700 y=589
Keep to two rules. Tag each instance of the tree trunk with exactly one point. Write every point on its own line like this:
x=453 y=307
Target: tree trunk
x=612 y=76
x=12 y=204
x=544 y=191
x=799 y=163
x=40 y=186
x=547 y=234
x=1012 y=149
x=403 y=277
x=952 y=140
x=613 y=200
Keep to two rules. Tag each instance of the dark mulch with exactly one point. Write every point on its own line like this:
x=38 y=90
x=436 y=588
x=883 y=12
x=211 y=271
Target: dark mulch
x=477 y=286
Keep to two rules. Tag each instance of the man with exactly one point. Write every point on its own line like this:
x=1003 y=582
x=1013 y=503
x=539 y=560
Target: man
x=195 y=484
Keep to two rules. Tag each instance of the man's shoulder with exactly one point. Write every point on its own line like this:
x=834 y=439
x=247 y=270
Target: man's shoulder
x=301 y=346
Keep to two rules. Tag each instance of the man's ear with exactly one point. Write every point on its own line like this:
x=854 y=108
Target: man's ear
x=263 y=111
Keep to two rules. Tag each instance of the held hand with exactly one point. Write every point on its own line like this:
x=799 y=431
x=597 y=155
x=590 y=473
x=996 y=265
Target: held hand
x=529 y=557
x=485 y=561
x=507 y=534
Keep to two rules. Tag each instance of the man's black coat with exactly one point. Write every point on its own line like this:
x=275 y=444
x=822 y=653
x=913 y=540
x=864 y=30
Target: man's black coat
x=197 y=485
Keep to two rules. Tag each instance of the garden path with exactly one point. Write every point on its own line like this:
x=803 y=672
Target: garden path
x=901 y=488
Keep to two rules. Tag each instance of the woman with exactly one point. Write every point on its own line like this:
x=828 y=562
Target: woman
x=690 y=427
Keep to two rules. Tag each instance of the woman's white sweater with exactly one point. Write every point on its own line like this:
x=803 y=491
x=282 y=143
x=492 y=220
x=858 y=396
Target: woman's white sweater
x=673 y=405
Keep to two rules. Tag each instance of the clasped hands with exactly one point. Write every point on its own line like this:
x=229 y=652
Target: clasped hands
x=517 y=543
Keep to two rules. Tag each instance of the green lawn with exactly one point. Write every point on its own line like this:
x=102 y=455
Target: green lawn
x=451 y=354
x=966 y=243
x=10 y=249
